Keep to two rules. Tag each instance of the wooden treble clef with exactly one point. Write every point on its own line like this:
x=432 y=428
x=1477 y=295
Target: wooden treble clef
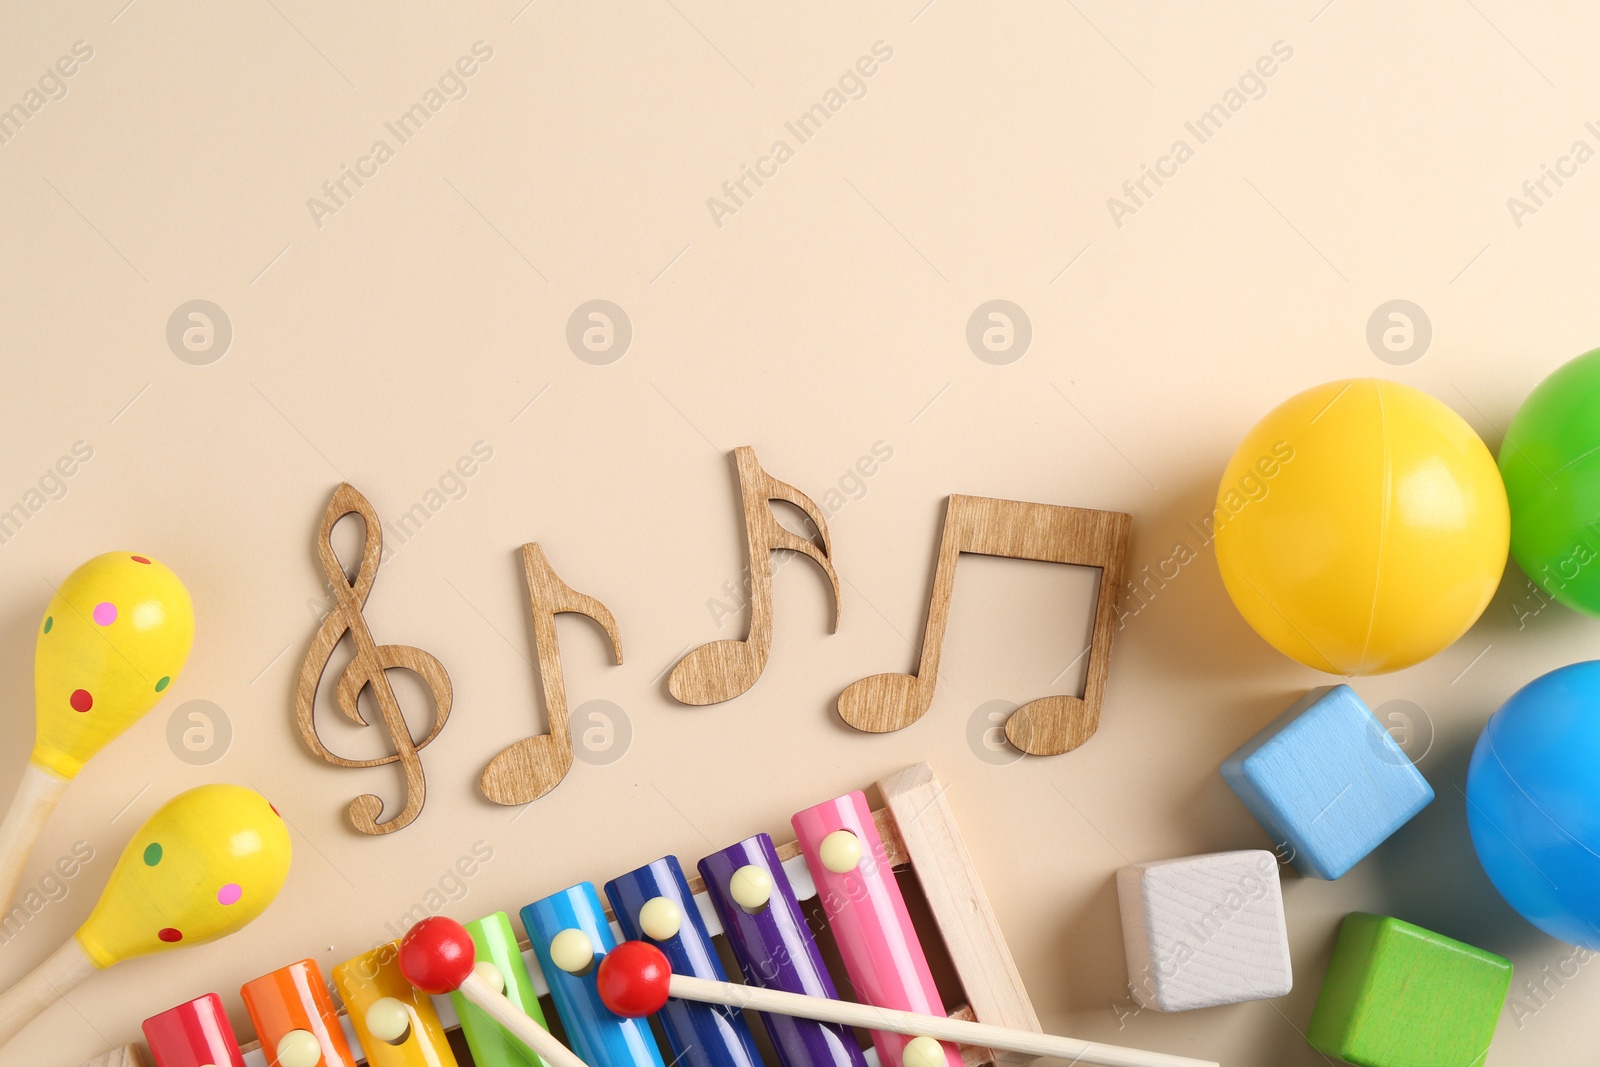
x=367 y=670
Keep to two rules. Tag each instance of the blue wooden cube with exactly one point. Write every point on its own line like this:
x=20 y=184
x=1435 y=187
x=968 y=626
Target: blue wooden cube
x=1327 y=780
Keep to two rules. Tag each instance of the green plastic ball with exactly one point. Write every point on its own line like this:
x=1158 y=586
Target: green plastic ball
x=1550 y=461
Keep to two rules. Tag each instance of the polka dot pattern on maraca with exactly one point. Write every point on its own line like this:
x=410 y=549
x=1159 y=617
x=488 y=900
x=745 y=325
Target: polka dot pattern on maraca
x=202 y=866
x=113 y=639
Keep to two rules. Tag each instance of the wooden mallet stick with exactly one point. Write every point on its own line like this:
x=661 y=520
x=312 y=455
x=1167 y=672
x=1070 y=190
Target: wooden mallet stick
x=635 y=979
x=437 y=956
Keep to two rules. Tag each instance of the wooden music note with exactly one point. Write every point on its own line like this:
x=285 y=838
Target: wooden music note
x=721 y=670
x=530 y=768
x=367 y=670
x=1048 y=533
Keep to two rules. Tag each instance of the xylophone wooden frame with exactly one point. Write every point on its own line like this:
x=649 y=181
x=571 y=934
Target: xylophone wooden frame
x=919 y=831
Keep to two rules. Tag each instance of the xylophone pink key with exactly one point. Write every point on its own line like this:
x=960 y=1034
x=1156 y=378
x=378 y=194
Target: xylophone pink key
x=868 y=917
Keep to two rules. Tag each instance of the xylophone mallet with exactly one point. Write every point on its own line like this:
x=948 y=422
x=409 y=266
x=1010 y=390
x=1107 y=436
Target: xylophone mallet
x=206 y=864
x=438 y=957
x=117 y=632
x=635 y=979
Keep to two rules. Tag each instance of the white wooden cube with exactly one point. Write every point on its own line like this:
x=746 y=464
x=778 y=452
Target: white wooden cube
x=1204 y=930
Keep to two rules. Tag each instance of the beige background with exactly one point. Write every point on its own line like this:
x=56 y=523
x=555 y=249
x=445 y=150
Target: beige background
x=826 y=314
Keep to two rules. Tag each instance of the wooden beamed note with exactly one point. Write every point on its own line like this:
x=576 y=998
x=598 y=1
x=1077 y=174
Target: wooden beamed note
x=530 y=768
x=367 y=670
x=721 y=670
x=1049 y=533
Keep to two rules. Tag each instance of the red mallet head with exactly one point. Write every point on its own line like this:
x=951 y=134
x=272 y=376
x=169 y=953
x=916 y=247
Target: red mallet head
x=436 y=955
x=633 y=978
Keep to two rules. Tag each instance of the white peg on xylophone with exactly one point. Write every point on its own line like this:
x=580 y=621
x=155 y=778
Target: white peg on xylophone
x=750 y=887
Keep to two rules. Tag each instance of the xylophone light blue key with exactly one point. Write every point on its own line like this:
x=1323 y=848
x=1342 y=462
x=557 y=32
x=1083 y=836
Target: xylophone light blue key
x=570 y=935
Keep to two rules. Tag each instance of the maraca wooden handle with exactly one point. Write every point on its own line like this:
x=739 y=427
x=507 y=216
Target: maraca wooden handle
x=849 y=1013
x=37 y=796
x=48 y=983
x=518 y=1024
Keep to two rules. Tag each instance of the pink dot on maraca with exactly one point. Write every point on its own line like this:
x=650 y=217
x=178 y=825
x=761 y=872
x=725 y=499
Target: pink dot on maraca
x=633 y=979
x=105 y=613
x=229 y=894
x=436 y=955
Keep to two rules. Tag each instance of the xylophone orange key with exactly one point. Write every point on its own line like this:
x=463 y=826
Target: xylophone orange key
x=295 y=1019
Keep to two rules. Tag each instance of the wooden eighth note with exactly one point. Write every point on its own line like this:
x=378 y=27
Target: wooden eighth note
x=368 y=670
x=1013 y=529
x=721 y=670
x=530 y=768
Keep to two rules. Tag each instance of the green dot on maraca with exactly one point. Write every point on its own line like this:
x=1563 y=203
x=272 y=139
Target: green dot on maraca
x=152 y=854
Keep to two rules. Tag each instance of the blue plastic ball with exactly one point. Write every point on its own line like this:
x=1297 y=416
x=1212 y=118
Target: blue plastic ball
x=1533 y=802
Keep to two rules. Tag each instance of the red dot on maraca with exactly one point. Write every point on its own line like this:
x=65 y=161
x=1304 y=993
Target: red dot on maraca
x=81 y=700
x=437 y=955
x=633 y=979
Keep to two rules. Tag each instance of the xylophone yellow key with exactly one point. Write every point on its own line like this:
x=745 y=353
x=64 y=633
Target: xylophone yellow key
x=395 y=1023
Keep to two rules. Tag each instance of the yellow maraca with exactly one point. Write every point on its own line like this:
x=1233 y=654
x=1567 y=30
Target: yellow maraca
x=204 y=866
x=113 y=639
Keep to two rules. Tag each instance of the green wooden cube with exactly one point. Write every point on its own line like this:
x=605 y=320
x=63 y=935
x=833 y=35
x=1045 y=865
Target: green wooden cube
x=1397 y=995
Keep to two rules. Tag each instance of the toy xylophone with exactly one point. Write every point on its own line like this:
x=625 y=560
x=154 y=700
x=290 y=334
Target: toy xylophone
x=754 y=895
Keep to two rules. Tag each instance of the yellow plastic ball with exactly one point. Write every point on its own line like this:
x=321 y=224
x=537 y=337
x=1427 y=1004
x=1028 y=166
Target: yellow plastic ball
x=1361 y=527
